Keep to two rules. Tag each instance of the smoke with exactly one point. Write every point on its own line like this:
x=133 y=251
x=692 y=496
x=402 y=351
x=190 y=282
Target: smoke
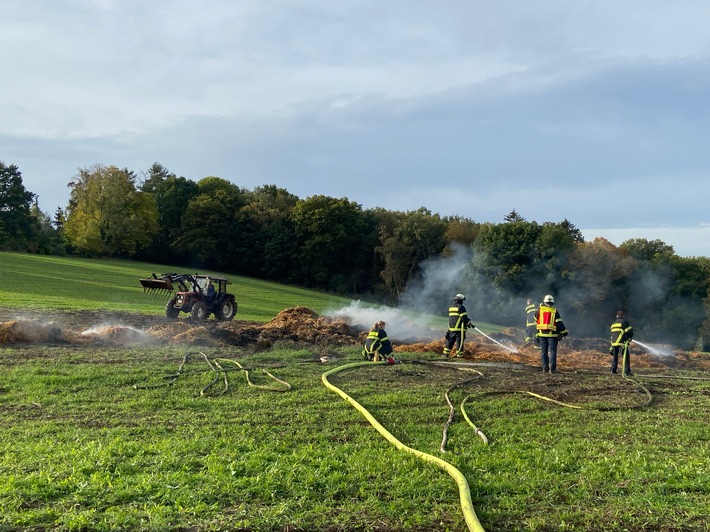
x=117 y=334
x=588 y=290
x=401 y=324
x=441 y=278
x=422 y=313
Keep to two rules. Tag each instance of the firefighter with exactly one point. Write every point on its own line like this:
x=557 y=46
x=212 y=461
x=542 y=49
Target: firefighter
x=377 y=345
x=550 y=329
x=458 y=323
x=530 y=325
x=621 y=335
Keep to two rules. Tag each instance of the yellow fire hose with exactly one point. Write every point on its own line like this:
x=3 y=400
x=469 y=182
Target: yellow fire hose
x=472 y=521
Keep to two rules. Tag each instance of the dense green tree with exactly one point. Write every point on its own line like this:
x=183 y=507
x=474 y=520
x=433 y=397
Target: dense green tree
x=107 y=215
x=598 y=286
x=17 y=224
x=460 y=230
x=46 y=240
x=330 y=233
x=573 y=231
x=209 y=225
x=513 y=216
x=171 y=196
x=157 y=174
x=415 y=237
x=267 y=245
x=379 y=221
x=647 y=250
x=683 y=309
x=506 y=252
x=205 y=232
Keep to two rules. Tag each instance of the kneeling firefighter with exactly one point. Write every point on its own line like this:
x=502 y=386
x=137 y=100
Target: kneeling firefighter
x=377 y=345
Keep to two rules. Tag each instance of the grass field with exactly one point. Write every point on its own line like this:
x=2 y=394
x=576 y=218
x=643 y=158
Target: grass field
x=44 y=282
x=93 y=438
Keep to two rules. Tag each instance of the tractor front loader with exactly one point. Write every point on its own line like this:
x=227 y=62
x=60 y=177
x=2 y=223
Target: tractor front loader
x=197 y=295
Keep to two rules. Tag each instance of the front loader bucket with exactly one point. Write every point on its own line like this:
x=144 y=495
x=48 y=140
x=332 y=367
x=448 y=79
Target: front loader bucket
x=156 y=285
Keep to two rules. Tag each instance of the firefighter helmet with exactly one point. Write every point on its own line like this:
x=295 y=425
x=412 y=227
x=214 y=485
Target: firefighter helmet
x=549 y=300
x=459 y=297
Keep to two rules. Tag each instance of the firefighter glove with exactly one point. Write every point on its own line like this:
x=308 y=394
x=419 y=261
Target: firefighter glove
x=611 y=349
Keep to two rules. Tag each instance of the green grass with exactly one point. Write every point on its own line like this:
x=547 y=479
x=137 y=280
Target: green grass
x=83 y=449
x=92 y=440
x=44 y=282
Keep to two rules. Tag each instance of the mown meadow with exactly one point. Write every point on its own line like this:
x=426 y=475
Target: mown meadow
x=107 y=438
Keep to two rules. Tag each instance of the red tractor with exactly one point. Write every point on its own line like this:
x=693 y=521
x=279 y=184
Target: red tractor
x=198 y=295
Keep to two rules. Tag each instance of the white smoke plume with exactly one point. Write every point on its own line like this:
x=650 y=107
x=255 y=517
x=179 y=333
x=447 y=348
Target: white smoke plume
x=422 y=313
x=401 y=324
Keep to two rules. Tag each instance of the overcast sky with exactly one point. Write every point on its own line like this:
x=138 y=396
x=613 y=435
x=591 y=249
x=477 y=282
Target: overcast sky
x=597 y=112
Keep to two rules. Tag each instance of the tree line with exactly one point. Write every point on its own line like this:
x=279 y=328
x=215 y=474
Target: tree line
x=415 y=258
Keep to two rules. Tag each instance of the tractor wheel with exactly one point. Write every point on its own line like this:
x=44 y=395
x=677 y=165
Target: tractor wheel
x=199 y=311
x=226 y=310
x=170 y=310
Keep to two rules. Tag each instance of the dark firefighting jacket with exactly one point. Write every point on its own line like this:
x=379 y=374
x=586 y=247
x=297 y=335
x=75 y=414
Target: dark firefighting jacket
x=549 y=322
x=621 y=332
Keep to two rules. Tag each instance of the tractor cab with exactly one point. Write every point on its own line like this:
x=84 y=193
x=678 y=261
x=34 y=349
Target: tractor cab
x=194 y=295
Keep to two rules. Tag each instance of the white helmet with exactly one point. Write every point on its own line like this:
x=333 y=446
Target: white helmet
x=459 y=296
x=549 y=300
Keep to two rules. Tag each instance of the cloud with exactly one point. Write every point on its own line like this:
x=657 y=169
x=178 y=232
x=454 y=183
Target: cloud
x=584 y=111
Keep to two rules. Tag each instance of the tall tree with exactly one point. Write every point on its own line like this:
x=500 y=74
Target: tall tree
x=461 y=230
x=647 y=250
x=157 y=173
x=172 y=196
x=107 y=216
x=506 y=253
x=209 y=225
x=16 y=221
x=513 y=216
x=267 y=245
x=416 y=236
x=47 y=239
x=330 y=233
x=599 y=275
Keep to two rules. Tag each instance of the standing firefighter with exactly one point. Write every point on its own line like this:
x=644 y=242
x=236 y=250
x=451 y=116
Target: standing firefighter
x=549 y=329
x=377 y=345
x=621 y=335
x=530 y=324
x=458 y=323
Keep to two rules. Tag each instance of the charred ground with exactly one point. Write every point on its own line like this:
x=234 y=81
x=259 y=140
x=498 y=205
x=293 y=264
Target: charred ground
x=302 y=327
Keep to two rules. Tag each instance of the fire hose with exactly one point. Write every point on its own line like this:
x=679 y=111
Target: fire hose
x=480 y=433
x=472 y=521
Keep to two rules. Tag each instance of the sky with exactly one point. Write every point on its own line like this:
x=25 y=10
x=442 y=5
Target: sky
x=593 y=111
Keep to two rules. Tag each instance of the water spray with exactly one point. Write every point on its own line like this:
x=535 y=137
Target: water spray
x=511 y=349
x=653 y=350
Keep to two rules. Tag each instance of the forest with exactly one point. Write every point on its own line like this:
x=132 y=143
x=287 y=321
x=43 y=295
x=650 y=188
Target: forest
x=415 y=259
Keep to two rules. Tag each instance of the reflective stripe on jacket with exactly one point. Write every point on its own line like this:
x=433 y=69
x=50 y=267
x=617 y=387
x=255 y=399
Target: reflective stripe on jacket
x=372 y=343
x=549 y=322
x=458 y=318
x=621 y=332
x=530 y=315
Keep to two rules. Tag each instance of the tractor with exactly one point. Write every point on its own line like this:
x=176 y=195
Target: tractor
x=198 y=295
